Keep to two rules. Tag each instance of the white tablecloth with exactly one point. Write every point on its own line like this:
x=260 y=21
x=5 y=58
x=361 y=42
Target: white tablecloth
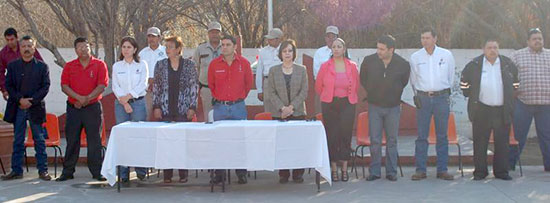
x=252 y=145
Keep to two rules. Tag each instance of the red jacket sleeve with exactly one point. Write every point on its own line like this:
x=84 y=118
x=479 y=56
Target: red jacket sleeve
x=103 y=75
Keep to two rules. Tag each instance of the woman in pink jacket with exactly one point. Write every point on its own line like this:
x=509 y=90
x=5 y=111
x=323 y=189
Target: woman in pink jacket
x=337 y=84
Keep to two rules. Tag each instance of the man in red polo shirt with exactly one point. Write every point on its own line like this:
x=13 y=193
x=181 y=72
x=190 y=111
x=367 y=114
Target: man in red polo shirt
x=230 y=80
x=9 y=53
x=83 y=80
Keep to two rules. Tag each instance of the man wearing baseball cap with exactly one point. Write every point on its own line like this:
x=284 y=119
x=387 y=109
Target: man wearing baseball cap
x=151 y=54
x=268 y=57
x=204 y=54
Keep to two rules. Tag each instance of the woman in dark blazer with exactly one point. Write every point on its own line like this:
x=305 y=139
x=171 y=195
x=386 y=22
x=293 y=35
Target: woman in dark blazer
x=288 y=90
x=175 y=91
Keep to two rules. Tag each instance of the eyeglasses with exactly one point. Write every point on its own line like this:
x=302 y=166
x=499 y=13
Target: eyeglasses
x=534 y=30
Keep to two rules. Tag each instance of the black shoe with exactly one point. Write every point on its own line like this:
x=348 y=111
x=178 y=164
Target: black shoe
x=64 y=177
x=298 y=179
x=100 y=178
x=44 y=176
x=372 y=177
x=141 y=177
x=283 y=180
x=479 y=177
x=504 y=177
x=242 y=179
x=12 y=176
x=124 y=182
x=391 y=177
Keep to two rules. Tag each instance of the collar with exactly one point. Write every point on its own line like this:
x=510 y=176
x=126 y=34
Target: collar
x=434 y=53
x=133 y=62
x=158 y=48
x=531 y=51
x=487 y=61
x=10 y=50
x=210 y=46
x=235 y=57
x=347 y=63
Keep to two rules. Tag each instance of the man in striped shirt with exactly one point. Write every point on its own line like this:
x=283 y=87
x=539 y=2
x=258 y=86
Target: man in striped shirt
x=533 y=101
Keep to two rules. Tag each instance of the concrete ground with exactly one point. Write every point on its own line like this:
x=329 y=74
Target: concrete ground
x=534 y=186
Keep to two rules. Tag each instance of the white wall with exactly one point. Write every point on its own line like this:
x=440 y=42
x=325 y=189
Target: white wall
x=55 y=101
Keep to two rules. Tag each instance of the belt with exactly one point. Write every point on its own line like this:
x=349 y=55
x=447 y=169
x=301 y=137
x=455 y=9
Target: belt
x=227 y=102
x=202 y=85
x=435 y=93
x=90 y=104
x=134 y=100
x=265 y=77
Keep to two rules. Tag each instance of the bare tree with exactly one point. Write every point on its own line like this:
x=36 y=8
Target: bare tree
x=20 y=6
x=106 y=21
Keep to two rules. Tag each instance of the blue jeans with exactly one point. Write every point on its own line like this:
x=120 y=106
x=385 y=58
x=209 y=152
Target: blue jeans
x=523 y=116
x=38 y=135
x=235 y=111
x=139 y=113
x=439 y=108
x=383 y=119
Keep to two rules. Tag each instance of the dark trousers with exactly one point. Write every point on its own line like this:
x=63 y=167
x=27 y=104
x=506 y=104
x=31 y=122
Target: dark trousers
x=489 y=119
x=296 y=173
x=90 y=118
x=169 y=173
x=338 y=118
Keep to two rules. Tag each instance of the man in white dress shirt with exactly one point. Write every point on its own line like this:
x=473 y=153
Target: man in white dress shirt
x=432 y=77
x=151 y=54
x=267 y=59
x=489 y=81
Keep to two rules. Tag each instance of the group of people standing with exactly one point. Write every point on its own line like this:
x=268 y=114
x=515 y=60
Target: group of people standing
x=159 y=84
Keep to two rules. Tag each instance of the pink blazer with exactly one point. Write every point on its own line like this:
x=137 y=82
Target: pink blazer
x=324 y=84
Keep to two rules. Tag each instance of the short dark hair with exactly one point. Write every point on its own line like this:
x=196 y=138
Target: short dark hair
x=285 y=44
x=489 y=40
x=134 y=43
x=387 y=40
x=10 y=31
x=430 y=30
x=533 y=31
x=28 y=38
x=79 y=40
x=229 y=37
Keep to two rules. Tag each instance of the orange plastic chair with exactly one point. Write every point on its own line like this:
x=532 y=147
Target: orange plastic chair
x=84 y=143
x=451 y=137
x=53 y=141
x=363 y=141
x=512 y=142
x=263 y=116
x=319 y=117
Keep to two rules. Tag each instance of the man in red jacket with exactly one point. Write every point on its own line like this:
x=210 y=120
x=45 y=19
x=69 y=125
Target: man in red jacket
x=230 y=80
